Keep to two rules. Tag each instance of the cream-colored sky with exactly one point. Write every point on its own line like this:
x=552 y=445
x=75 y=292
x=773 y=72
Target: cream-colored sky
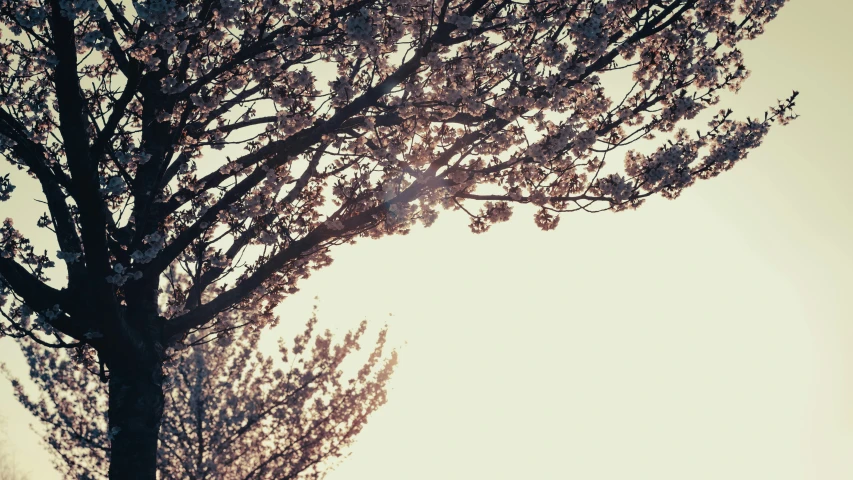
x=705 y=338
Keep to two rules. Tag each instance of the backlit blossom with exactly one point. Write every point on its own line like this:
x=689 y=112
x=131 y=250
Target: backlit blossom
x=191 y=154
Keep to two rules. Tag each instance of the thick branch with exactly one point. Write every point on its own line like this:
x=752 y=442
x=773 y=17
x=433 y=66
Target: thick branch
x=35 y=157
x=73 y=119
x=38 y=296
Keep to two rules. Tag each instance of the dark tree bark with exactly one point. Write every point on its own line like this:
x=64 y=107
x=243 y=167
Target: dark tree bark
x=135 y=411
x=136 y=377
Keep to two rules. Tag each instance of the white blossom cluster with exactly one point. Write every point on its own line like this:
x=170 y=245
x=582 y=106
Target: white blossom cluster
x=359 y=28
x=159 y=12
x=616 y=187
x=6 y=188
x=462 y=22
x=156 y=242
x=95 y=39
x=29 y=17
x=6 y=142
x=68 y=257
x=45 y=318
x=114 y=185
x=132 y=157
x=122 y=275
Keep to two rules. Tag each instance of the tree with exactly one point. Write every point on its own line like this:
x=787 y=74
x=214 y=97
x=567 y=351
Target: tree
x=229 y=412
x=198 y=158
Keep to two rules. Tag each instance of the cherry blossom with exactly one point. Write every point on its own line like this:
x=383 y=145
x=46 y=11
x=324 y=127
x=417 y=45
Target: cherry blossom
x=230 y=412
x=199 y=158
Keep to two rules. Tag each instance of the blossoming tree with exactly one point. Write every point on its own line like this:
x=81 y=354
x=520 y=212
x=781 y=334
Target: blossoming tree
x=198 y=157
x=230 y=412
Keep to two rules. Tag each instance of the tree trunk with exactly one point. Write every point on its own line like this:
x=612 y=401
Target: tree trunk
x=136 y=407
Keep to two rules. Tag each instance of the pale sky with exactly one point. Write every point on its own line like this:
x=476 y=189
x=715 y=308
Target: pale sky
x=705 y=338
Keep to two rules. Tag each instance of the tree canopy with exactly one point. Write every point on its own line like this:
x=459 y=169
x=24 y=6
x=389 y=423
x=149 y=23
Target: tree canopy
x=198 y=158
